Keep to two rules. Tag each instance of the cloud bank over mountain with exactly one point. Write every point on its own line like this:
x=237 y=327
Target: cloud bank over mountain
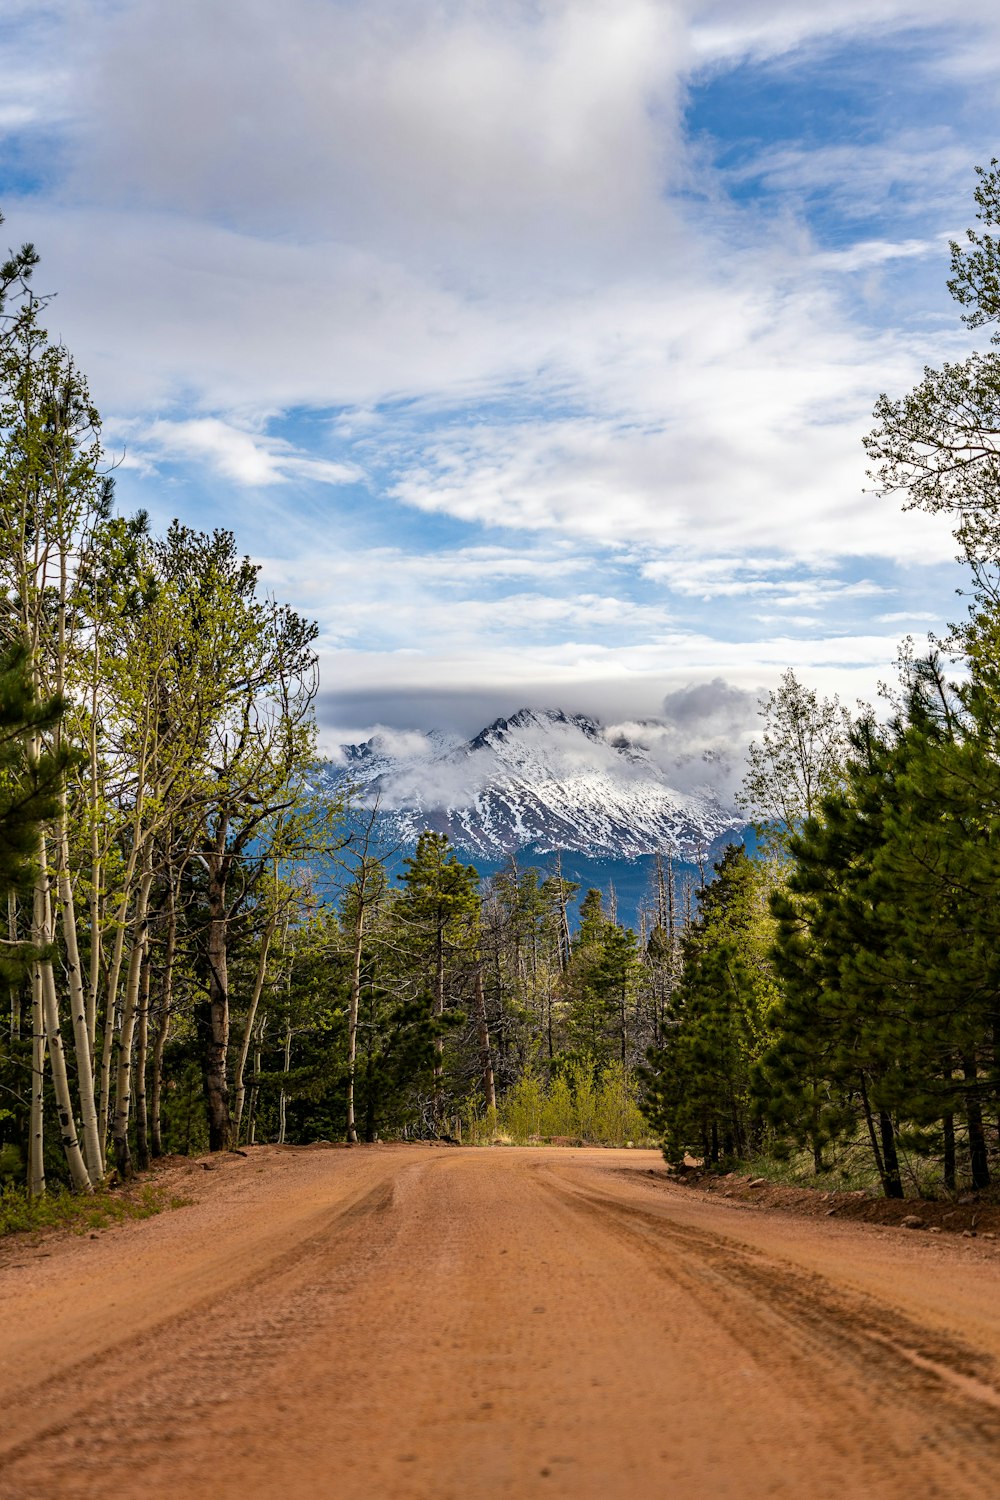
x=538 y=782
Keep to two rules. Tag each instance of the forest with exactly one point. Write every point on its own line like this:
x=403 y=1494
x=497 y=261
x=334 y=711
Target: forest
x=202 y=952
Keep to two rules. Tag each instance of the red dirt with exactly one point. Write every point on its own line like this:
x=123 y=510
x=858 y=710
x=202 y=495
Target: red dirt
x=445 y=1324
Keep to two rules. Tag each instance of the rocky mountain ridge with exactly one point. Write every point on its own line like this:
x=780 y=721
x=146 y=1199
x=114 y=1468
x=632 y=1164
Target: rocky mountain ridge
x=540 y=779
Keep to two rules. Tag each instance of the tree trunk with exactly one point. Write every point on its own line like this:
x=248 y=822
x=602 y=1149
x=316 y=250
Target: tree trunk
x=892 y=1182
x=873 y=1138
x=817 y=1146
x=283 y=1097
x=93 y=1145
x=36 y=1124
x=978 y=1158
x=252 y=1108
x=239 y=1095
x=163 y=1022
x=141 y=1056
x=111 y=1011
x=213 y=1015
x=79 y=1176
x=439 y=1040
x=352 y=1016
x=950 y=1177
x=483 y=1031
x=623 y=1024
x=130 y=1009
x=15 y=996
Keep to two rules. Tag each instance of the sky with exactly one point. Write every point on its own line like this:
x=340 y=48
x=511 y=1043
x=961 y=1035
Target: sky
x=527 y=345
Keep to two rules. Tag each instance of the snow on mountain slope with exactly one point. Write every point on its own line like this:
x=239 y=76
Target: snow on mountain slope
x=541 y=778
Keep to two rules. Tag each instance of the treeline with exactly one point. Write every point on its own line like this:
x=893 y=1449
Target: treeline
x=432 y=1003
x=845 y=988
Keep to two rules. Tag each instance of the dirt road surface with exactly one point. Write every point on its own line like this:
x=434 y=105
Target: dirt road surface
x=451 y=1324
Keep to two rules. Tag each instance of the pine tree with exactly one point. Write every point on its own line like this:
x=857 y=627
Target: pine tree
x=439 y=902
x=698 y=1093
x=29 y=782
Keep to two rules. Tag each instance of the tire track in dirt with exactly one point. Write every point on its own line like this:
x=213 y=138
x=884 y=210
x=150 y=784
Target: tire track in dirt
x=210 y=1347
x=875 y=1361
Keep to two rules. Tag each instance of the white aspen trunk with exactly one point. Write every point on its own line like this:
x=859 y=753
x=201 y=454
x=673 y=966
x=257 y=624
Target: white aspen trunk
x=282 y=1098
x=114 y=975
x=123 y=1080
x=36 y=1128
x=92 y=1145
x=258 y=1045
x=258 y=987
x=79 y=1176
x=96 y=871
x=142 y=1053
x=565 y=941
x=163 y=1026
x=15 y=999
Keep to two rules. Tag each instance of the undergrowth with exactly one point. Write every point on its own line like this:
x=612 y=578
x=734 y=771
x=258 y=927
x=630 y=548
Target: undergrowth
x=79 y=1212
x=848 y=1172
x=575 y=1106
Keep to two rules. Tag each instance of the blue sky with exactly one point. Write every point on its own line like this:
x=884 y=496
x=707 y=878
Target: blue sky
x=527 y=345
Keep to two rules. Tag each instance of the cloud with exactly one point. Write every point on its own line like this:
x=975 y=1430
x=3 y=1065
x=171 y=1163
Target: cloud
x=729 y=31
x=397 y=123
x=248 y=458
x=604 y=391
x=701 y=736
x=476 y=216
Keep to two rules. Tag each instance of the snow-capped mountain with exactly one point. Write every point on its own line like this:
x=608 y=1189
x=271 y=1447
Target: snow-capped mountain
x=542 y=778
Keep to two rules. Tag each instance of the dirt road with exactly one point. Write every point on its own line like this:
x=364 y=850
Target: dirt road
x=433 y=1322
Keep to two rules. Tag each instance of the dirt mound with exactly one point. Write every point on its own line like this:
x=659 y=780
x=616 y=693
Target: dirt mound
x=969 y=1213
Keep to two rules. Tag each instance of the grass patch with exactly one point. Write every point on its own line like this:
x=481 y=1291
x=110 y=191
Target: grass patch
x=849 y=1170
x=81 y=1212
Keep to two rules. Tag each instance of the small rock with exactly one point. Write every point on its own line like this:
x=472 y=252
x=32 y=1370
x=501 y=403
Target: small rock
x=757 y=1182
x=989 y=1235
x=934 y=1229
x=830 y=1212
x=968 y=1234
x=966 y=1198
x=912 y=1221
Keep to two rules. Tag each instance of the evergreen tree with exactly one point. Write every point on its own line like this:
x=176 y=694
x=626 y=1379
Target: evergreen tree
x=440 y=907
x=30 y=780
x=698 y=1084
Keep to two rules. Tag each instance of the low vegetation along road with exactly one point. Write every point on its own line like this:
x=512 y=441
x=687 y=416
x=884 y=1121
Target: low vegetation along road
x=421 y=1321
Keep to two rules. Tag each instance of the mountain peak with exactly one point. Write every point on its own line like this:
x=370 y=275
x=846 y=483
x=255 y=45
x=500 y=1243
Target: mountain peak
x=541 y=778
x=533 y=718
